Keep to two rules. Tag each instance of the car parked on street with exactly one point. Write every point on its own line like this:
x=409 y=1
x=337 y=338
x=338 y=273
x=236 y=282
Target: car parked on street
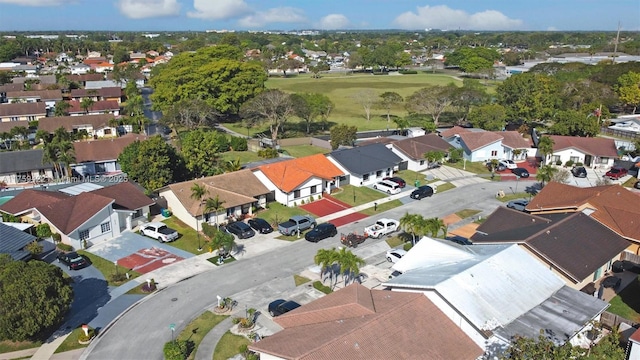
x=320 y=232
x=579 y=172
x=508 y=164
x=393 y=255
x=422 y=192
x=637 y=185
x=281 y=306
x=240 y=229
x=73 y=260
x=387 y=186
x=518 y=204
x=260 y=225
x=521 y=172
x=616 y=173
x=397 y=180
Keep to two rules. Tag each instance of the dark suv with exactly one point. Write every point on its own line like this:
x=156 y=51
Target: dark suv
x=241 y=230
x=579 y=172
x=281 y=306
x=421 y=192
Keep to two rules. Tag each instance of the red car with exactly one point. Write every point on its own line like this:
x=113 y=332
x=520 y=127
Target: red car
x=397 y=180
x=616 y=173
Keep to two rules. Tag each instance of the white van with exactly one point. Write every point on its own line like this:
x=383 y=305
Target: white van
x=387 y=186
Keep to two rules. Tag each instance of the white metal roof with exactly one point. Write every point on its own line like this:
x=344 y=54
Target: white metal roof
x=80 y=188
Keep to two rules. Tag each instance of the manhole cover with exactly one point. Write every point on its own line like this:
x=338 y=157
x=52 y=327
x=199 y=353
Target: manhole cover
x=174 y=299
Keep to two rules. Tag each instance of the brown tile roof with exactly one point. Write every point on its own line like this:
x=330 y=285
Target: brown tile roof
x=456 y=130
x=69 y=214
x=476 y=140
x=50 y=124
x=591 y=146
x=29 y=199
x=126 y=196
x=11 y=87
x=107 y=92
x=514 y=139
x=379 y=140
x=102 y=105
x=102 y=150
x=23 y=109
x=288 y=175
x=235 y=189
x=415 y=148
x=85 y=77
x=358 y=323
x=43 y=95
x=6 y=126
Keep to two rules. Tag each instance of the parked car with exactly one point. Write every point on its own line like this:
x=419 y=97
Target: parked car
x=281 y=306
x=393 y=255
x=508 y=164
x=73 y=260
x=499 y=166
x=240 y=229
x=422 y=192
x=519 y=204
x=579 y=172
x=381 y=227
x=521 y=172
x=397 y=180
x=387 y=186
x=611 y=282
x=321 y=232
x=159 y=231
x=260 y=225
x=459 y=240
x=616 y=173
x=637 y=185
x=297 y=223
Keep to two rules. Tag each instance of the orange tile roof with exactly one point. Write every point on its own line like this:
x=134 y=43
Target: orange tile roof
x=288 y=175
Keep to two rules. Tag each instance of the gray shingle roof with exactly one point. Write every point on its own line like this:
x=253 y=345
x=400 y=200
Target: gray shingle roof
x=12 y=241
x=18 y=161
x=366 y=159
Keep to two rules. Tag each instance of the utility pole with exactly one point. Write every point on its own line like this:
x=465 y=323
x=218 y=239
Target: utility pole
x=615 y=46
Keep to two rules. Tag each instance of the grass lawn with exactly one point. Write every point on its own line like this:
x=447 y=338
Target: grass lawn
x=411 y=176
x=627 y=302
x=445 y=187
x=277 y=213
x=292 y=237
x=395 y=241
x=382 y=207
x=299 y=151
x=362 y=195
x=244 y=156
x=473 y=167
x=214 y=260
x=465 y=213
x=229 y=346
x=71 y=342
x=199 y=327
x=10 y=346
x=188 y=240
x=299 y=280
x=629 y=183
x=107 y=268
x=511 y=196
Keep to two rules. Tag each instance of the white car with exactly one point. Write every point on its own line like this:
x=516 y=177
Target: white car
x=393 y=255
x=509 y=164
x=387 y=186
x=159 y=231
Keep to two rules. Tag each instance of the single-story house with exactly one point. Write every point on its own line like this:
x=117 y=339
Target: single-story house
x=413 y=150
x=130 y=203
x=296 y=180
x=594 y=152
x=365 y=165
x=99 y=107
x=97 y=157
x=576 y=247
x=24 y=166
x=359 y=323
x=13 y=242
x=23 y=111
x=495 y=292
x=80 y=69
x=481 y=146
x=514 y=145
x=630 y=124
x=97 y=126
x=49 y=97
x=239 y=193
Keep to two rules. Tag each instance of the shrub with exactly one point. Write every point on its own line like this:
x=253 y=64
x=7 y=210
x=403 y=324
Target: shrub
x=380 y=73
x=579 y=164
x=57 y=238
x=311 y=198
x=407 y=72
x=268 y=153
x=238 y=144
x=558 y=162
x=178 y=349
x=569 y=163
x=321 y=287
x=43 y=230
x=209 y=230
x=84 y=338
x=64 y=247
x=34 y=248
x=118 y=278
x=407 y=246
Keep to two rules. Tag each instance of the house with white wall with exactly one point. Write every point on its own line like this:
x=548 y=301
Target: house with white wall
x=365 y=165
x=413 y=150
x=97 y=126
x=24 y=167
x=100 y=157
x=593 y=152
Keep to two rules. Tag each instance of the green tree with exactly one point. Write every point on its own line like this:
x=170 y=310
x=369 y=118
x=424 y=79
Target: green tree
x=43 y=230
x=349 y=264
x=366 y=99
x=197 y=193
x=214 y=205
x=628 y=89
x=431 y=100
x=434 y=156
x=200 y=149
x=232 y=165
x=86 y=104
x=546 y=173
x=412 y=224
x=190 y=114
x=34 y=296
x=434 y=226
x=388 y=100
x=62 y=108
x=273 y=107
x=343 y=135
x=545 y=147
x=309 y=106
x=491 y=117
x=470 y=95
x=326 y=258
x=574 y=123
x=529 y=97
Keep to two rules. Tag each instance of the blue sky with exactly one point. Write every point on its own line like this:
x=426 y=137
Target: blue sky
x=198 y=15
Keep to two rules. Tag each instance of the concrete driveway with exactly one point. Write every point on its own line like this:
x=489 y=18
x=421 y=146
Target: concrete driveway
x=455 y=176
x=130 y=243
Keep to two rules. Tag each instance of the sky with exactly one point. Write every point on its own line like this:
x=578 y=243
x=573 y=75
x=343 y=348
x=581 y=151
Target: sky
x=200 y=15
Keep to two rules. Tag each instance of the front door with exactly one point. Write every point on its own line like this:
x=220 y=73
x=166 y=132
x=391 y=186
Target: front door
x=587 y=160
x=597 y=274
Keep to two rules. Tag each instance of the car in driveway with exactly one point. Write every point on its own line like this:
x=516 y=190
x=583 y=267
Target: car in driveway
x=320 y=232
x=260 y=225
x=508 y=164
x=521 y=172
x=422 y=192
x=397 y=180
x=281 y=306
x=72 y=260
x=393 y=255
x=616 y=173
x=637 y=185
x=387 y=186
x=159 y=231
x=579 y=172
x=518 y=204
x=611 y=282
x=240 y=229
x=499 y=166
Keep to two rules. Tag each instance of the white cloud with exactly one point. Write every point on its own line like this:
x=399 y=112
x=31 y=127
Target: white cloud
x=445 y=18
x=275 y=15
x=334 y=21
x=141 y=9
x=38 y=2
x=219 y=9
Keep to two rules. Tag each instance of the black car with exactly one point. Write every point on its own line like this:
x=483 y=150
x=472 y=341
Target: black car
x=637 y=185
x=579 y=172
x=281 y=306
x=611 y=282
x=260 y=225
x=320 y=232
x=421 y=192
x=73 y=260
x=397 y=180
x=521 y=172
x=241 y=230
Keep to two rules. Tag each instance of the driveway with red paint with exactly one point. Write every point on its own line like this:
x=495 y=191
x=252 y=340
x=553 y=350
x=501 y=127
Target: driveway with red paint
x=530 y=164
x=325 y=206
x=147 y=260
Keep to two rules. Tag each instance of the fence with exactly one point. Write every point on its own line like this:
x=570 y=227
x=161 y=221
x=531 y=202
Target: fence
x=620 y=133
x=610 y=320
x=631 y=257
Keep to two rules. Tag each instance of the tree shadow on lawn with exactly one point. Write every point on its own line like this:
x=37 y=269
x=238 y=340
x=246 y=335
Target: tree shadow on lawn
x=90 y=294
x=630 y=296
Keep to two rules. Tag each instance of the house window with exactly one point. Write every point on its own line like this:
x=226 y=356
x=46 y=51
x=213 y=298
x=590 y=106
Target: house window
x=231 y=211
x=603 y=160
x=556 y=158
x=388 y=172
x=105 y=227
x=494 y=153
x=137 y=214
x=379 y=173
x=84 y=234
x=314 y=189
x=31 y=118
x=574 y=159
x=421 y=162
x=365 y=177
x=14 y=118
x=296 y=194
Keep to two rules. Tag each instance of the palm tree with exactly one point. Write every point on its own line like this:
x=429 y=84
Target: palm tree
x=232 y=165
x=62 y=108
x=434 y=225
x=86 y=104
x=349 y=264
x=197 y=193
x=546 y=173
x=66 y=156
x=223 y=242
x=214 y=205
x=325 y=258
x=410 y=223
x=545 y=147
x=50 y=156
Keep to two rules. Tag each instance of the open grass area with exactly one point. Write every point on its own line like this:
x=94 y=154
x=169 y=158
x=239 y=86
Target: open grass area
x=10 y=346
x=627 y=302
x=245 y=157
x=277 y=213
x=188 y=240
x=465 y=213
x=107 y=268
x=299 y=280
x=298 y=151
x=71 y=342
x=446 y=186
x=473 y=167
x=199 y=327
x=357 y=195
x=411 y=176
x=382 y=207
x=229 y=346
x=395 y=241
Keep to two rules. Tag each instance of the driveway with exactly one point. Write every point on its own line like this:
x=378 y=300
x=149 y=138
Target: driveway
x=457 y=177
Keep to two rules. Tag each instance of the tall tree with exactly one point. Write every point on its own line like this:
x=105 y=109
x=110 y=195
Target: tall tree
x=545 y=147
x=273 y=107
x=529 y=97
x=62 y=108
x=343 y=134
x=388 y=100
x=309 y=106
x=546 y=173
x=326 y=258
x=214 y=205
x=491 y=117
x=198 y=192
x=431 y=100
x=628 y=89
x=86 y=104
x=366 y=99
x=349 y=264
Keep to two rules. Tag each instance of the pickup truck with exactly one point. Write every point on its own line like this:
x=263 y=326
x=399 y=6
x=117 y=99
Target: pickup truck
x=159 y=231
x=295 y=223
x=381 y=227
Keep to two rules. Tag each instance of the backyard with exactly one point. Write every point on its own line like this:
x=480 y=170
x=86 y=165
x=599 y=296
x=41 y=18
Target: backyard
x=627 y=302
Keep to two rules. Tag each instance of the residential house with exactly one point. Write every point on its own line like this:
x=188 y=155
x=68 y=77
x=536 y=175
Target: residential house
x=481 y=146
x=37 y=80
x=633 y=346
x=626 y=125
x=365 y=165
x=495 y=292
x=14 y=241
x=25 y=166
x=23 y=111
x=99 y=107
x=5 y=127
x=413 y=150
x=97 y=126
x=576 y=247
x=79 y=69
x=102 y=84
x=97 y=157
x=48 y=97
x=5 y=88
x=138 y=77
x=239 y=192
x=359 y=323
x=81 y=79
x=594 y=152
x=514 y=145
x=130 y=203
x=102 y=67
x=296 y=180
x=101 y=94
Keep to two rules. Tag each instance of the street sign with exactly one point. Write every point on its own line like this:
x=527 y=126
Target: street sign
x=172 y=327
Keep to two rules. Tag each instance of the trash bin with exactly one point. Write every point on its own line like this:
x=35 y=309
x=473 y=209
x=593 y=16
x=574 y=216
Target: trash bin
x=417 y=183
x=165 y=213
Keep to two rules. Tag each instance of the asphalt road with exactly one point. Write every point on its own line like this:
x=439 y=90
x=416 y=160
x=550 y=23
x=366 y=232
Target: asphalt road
x=141 y=332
